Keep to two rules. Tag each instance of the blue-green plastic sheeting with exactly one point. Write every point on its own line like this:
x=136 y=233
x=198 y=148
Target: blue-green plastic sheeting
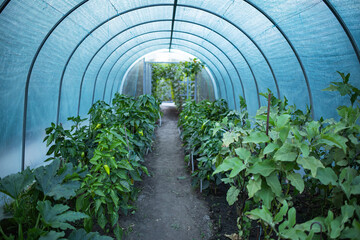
x=58 y=57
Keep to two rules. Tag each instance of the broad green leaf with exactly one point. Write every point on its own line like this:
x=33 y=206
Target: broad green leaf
x=14 y=184
x=282 y=212
x=296 y=180
x=292 y=217
x=273 y=181
x=232 y=195
x=253 y=186
x=243 y=153
x=83 y=235
x=229 y=137
x=52 y=184
x=336 y=228
x=333 y=140
x=286 y=153
x=282 y=120
x=264 y=168
x=284 y=133
x=304 y=149
x=347 y=211
x=256 y=137
x=263 y=214
x=52 y=235
x=266 y=195
x=312 y=129
x=58 y=215
x=234 y=164
x=65 y=190
x=351 y=233
x=327 y=176
x=270 y=148
x=310 y=163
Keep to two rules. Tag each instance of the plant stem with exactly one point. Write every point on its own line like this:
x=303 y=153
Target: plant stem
x=38 y=218
x=3 y=234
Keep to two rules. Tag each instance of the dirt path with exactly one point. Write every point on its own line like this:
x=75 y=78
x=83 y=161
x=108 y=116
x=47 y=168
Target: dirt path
x=167 y=207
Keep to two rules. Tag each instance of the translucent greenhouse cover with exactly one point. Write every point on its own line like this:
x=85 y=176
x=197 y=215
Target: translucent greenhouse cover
x=58 y=57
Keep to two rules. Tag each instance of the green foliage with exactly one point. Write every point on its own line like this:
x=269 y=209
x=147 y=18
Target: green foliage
x=172 y=77
x=35 y=216
x=268 y=170
x=93 y=169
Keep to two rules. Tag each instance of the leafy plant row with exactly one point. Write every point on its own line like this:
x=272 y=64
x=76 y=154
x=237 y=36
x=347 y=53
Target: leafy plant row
x=281 y=162
x=90 y=178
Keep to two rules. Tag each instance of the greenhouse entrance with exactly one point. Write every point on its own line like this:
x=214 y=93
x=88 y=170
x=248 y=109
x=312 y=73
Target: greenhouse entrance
x=166 y=75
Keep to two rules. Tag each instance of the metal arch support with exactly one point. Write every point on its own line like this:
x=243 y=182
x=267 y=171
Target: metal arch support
x=293 y=49
x=193 y=43
x=237 y=72
x=173 y=23
x=204 y=57
x=3 y=5
x=345 y=28
x=162 y=20
x=183 y=40
x=110 y=39
x=158 y=5
x=85 y=37
x=241 y=30
x=29 y=77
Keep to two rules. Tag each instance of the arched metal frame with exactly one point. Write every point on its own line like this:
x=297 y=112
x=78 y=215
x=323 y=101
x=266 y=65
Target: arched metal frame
x=345 y=28
x=158 y=5
x=185 y=40
x=174 y=44
x=161 y=20
x=294 y=51
x=206 y=50
x=333 y=10
x=173 y=23
x=3 y=5
x=178 y=44
x=155 y=39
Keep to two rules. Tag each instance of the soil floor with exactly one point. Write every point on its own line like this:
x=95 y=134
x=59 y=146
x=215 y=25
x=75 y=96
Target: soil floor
x=167 y=206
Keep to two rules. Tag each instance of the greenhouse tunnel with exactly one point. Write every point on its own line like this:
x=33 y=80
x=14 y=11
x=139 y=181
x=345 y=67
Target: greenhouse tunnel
x=59 y=57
